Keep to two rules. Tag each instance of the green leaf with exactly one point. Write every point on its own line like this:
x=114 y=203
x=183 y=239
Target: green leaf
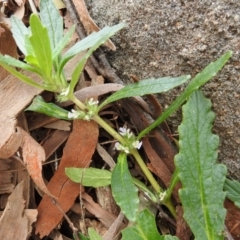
x=202 y=195
x=89 y=177
x=144 y=229
x=169 y=237
x=16 y=63
x=94 y=234
x=201 y=78
x=93 y=40
x=124 y=191
x=232 y=187
x=19 y=31
x=21 y=76
x=63 y=42
x=50 y=109
x=52 y=20
x=82 y=237
x=148 y=86
x=41 y=45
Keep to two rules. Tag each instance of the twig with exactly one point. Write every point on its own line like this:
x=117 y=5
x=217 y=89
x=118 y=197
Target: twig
x=75 y=230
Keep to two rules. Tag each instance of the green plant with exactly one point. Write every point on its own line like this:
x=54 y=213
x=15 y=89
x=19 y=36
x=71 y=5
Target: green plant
x=42 y=45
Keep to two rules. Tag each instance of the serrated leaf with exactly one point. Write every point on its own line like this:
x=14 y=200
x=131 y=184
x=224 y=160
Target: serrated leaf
x=94 y=234
x=144 y=229
x=50 y=109
x=201 y=78
x=52 y=20
x=41 y=45
x=148 y=86
x=232 y=187
x=202 y=194
x=124 y=191
x=89 y=177
x=19 y=31
x=95 y=39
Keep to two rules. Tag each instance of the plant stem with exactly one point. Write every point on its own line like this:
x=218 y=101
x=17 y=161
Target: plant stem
x=171 y=208
x=77 y=102
x=134 y=152
x=109 y=129
x=145 y=170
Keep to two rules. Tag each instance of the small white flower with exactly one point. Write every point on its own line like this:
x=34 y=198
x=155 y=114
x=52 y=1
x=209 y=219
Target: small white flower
x=87 y=117
x=125 y=132
x=91 y=102
x=137 y=144
x=73 y=114
x=120 y=147
x=65 y=92
x=162 y=195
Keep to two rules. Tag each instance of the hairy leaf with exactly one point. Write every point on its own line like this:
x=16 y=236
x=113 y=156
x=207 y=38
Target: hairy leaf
x=20 y=76
x=16 y=63
x=148 y=86
x=52 y=20
x=41 y=45
x=19 y=31
x=95 y=39
x=232 y=187
x=50 y=109
x=202 y=195
x=63 y=42
x=90 y=177
x=123 y=189
x=144 y=229
x=201 y=78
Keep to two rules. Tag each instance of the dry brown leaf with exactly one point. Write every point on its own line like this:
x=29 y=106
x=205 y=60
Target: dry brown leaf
x=232 y=219
x=94 y=91
x=158 y=165
x=15 y=96
x=77 y=153
x=68 y=24
x=87 y=21
x=104 y=216
x=33 y=156
x=37 y=120
x=6 y=185
x=115 y=227
x=183 y=232
x=19 y=13
x=7 y=46
x=54 y=141
x=15 y=223
x=59 y=125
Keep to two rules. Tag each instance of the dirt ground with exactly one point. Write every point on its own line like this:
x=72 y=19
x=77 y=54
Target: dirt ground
x=172 y=38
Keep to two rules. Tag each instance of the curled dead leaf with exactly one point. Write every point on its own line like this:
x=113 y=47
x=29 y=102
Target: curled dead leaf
x=33 y=156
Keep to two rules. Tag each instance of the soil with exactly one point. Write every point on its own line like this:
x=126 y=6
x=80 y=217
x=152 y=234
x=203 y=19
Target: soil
x=173 y=38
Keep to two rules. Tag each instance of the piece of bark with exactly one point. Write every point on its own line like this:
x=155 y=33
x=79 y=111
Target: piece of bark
x=77 y=153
